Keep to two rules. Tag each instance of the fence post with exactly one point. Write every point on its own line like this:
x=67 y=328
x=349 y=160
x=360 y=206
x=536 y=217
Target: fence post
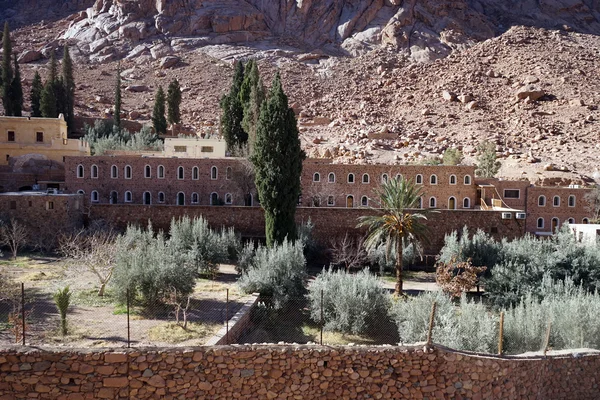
x=128 y=327
x=501 y=334
x=547 y=340
x=322 y=321
x=23 y=310
x=227 y=318
x=431 y=323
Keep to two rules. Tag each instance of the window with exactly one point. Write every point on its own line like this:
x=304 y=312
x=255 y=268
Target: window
x=432 y=202
x=180 y=199
x=316 y=201
x=114 y=172
x=248 y=200
x=147 y=198
x=512 y=193
x=316 y=177
x=419 y=179
x=364 y=201
x=180 y=173
x=147 y=171
x=384 y=178
x=420 y=203
x=128 y=173
x=330 y=201
x=228 y=198
x=180 y=149
x=11 y=136
x=95 y=171
x=571 y=201
x=207 y=149
x=80 y=192
x=195 y=198
x=228 y=173
x=160 y=172
x=453 y=179
x=350 y=178
x=128 y=197
x=331 y=178
x=452 y=203
x=161 y=197
x=49 y=205
x=214 y=199
x=555 y=225
x=365 y=178
x=542 y=201
x=571 y=220
x=467 y=179
x=398 y=177
x=466 y=202
x=39 y=137
x=585 y=221
x=80 y=171
x=114 y=197
x=350 y=201
x=195 y=173
x=556 y=201
x=433 y=179
x=94 y=196
x=214 y=173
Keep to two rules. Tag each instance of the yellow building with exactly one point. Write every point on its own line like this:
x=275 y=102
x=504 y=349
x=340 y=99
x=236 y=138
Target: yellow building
x=194 y=148
x=45 y=136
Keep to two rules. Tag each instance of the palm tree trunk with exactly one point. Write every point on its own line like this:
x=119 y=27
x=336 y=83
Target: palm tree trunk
x=399 y=249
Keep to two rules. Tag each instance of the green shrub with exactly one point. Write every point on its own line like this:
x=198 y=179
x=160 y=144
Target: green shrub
x=277 y=273
x=387 y=262
x=62 y=298
x=352 y=303
x=452 y=157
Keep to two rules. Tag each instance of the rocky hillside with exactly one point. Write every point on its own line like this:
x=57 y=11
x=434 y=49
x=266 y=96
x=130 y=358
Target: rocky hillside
x=371 y=80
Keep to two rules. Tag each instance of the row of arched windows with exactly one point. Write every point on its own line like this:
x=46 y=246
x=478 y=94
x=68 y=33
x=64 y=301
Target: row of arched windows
x=160 y=172
x=364 y=202
x=556 y=201
x=555 y=223
x=180 y=199
x=433 y=179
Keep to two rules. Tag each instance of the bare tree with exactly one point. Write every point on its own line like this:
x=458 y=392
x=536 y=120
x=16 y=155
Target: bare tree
x=592 y=199
x=181 y=304
x=349 y=252
x=243 y=177
x=14 y=235
x=92 y=250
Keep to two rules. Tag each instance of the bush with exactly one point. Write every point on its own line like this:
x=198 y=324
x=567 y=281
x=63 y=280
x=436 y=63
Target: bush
x=480 y=248
x=277 y=273
x=452 y=157
x=62 y=298
x=105 y=136
x=352 y=303
x=387 y=262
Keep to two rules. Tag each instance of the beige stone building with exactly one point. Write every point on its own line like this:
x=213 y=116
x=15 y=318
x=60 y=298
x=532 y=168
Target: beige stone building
x=194 y=148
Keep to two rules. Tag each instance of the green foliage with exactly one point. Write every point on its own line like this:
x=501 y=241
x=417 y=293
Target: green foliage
x=68 y=88
x=7 y=72
x=159 y=122
x=452 y=157
x=16 y=91
x=36 y=94
x=174 y=102
x=62 y=298
x=233 y=112
x=277 y=160
x=117 y=110
x=480 y=248
x=592 y=199
x=487 y=163
x=252 y=96
x=49 y=102
x=276 y=272
x=432 y=161
x=105 y=136
x=352 y=303
x=385 y=260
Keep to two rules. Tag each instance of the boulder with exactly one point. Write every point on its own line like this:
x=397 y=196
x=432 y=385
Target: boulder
x=465 y=98
x=169 y=62
x=29 y=56
x=448 y=96
x=137 y=88
x=532 y=92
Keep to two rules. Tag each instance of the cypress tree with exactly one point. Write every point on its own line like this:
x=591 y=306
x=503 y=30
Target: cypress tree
x=233 y=112
x=252 y=95
x=7 y=72
x=16 y=91
x=277 y=160
x=158 y=113
x=36 y=94
x=48 y=101
x=68 y=88
x=117 y=115
x=173 y=102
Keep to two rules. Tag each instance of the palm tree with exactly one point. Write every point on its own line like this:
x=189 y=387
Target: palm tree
x=394 y=224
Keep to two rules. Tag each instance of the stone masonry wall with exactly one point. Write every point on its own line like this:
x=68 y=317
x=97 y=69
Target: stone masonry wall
x=292 y=372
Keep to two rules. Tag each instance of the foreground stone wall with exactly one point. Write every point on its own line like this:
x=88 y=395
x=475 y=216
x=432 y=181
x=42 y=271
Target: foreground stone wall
x=292 y=372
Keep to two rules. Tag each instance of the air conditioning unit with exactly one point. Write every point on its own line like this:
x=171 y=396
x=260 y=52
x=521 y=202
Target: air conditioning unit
x=520 y=215
x=506 y=215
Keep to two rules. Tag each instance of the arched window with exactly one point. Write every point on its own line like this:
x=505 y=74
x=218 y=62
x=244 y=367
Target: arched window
x=571 y=221
x=180 y=199
x=214 y=173
x=316 y=177
x=114 y=197
x=195 y=173
x=540 y=223
x=195 y=198
x=398 y=177
x=80 y=171
x=585 y=221
x=555 y=225
x=350 y=178
x=453 y=179
x=147 y=198
x=452 y=203
x=114 y=172
x=228 y=198
x=432 y=202
x=128 y=197
x=572 y=201
x=331 y=177
x=180 y=173
x=161 y=197
x=81 y=192
x=419 y=179
x=248 y=200
x=556 y=201
x=364 y=201
x=542 y=201
x=316 y=201
x=466 y=202
x=384 y=178
x=467 y=179
x=128 y=173
x=95 y=196
x=420 y=203
x=228 y=173
x=433 y=179
x=147 y=171
x=330 y=201
x=214 y=199
x=94 y=171
x=365 y=178
x=350 y=201
x=160 y=172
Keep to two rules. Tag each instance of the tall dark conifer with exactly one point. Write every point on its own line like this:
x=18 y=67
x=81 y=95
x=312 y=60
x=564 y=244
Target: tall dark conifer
x=7 y=72
x=277 y=160
x=16 y=91
x=233 y=112
x=117 y=114
x=36 y=94
x=252 y=95
x=174 y=102
x=48 y=100
x=68 y=88
x=158 y=113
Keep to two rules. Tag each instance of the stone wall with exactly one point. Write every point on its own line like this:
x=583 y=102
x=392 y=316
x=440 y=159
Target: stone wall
x=292 y=372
